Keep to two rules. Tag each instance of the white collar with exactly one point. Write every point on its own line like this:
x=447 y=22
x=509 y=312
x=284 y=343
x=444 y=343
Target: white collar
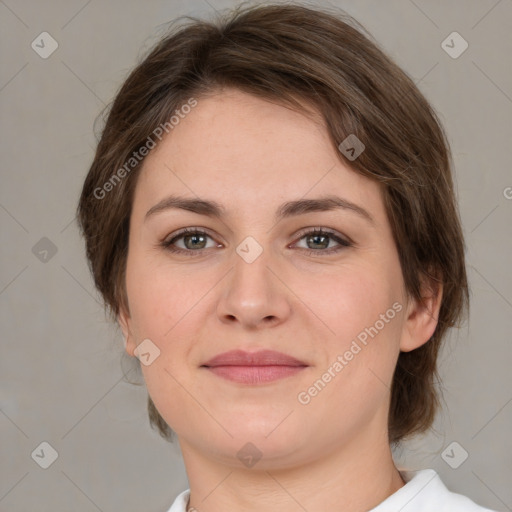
x=423 y=492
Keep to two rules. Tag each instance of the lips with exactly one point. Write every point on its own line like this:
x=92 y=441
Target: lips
x=254 y=368
x=260 y=358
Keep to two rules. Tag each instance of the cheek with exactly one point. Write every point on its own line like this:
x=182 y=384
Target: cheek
x=161 y=306
x=346 y=299
x=360 y=311
x=158 y=295
x=360 y=357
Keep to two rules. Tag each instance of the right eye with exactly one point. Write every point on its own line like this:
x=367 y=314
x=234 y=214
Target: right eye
x=193 y=239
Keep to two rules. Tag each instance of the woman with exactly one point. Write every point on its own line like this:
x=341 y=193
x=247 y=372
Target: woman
x=270 y=217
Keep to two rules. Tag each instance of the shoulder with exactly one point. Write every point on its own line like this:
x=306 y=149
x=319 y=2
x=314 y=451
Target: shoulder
x=424 y=491
x=181 y=502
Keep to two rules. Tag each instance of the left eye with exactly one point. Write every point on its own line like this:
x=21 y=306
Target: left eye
x=322 y=239
x=195 y=240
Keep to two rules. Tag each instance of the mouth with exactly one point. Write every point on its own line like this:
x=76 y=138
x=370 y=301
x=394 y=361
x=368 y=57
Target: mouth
x=254 y=367
x=254 y=375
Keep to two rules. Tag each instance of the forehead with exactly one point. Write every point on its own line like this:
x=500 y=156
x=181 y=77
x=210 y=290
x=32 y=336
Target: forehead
x=245 y=151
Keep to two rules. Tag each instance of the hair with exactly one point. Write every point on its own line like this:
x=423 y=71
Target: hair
x=297 y=55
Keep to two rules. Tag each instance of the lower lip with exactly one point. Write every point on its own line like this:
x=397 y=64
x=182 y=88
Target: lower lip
x=255 y=374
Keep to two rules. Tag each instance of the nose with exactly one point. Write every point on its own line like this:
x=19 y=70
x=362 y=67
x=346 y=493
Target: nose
x=253 y=295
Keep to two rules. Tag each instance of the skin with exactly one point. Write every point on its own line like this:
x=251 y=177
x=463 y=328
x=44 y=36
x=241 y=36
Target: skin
x=251 y=155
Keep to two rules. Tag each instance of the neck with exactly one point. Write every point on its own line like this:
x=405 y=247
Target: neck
x=353 y=478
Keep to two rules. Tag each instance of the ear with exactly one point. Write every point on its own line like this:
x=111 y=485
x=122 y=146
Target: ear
x=422 y=315
x=124 y=321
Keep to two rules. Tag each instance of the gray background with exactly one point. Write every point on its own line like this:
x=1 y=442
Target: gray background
x=62 y=363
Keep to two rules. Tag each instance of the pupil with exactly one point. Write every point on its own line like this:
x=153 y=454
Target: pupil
x=315 y=237
x=194 y=237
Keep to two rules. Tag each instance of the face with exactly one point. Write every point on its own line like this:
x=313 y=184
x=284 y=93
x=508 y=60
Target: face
x=250 y=279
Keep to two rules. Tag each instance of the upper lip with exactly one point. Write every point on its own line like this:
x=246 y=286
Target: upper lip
x=260 y=358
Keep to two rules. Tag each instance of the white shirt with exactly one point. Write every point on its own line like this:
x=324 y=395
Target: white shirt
x=423 y=492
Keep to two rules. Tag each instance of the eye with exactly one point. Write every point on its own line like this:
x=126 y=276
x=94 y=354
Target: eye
x=194 y=240
x=320 y=240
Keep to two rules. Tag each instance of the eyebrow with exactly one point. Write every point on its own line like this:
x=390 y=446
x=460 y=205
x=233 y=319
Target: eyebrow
x=289 y=209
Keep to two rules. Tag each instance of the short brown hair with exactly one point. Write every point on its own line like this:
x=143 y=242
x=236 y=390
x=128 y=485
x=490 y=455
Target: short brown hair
x=287 y=53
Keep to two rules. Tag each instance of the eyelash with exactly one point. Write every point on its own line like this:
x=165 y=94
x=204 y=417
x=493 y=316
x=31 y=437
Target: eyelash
x=168 y=244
